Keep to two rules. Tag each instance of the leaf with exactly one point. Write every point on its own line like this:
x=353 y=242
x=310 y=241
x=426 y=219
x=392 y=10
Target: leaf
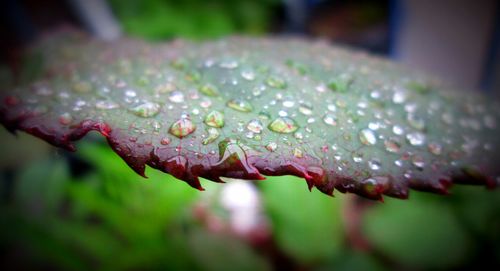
x=420 y=233
x=248 y=107
x=307 y=227
x=221 y=252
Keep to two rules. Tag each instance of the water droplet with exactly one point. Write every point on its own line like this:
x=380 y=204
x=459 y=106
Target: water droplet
x=65 y=118
x=305 y=109
x=276 y=82
x=330 y=119
x=182 y=127
x=418 y=161
x=165 y=141
x=374 y=164
x=176 y=97
x=341 y=83
x=435 y=148
x=367 y=137
x=357 y=158
x=324 y=148
x=229 y=64
x=397 y=130
x=165 y=88
x=240 y=105
x=283 y=125
x=399 y=96
x=415 y=121
x=375 y=186
x=282 y=113
x=106 y=105
x=298 y=135
x=375 y=94
x=392 y=146
x=146 y=110
x=288 y=103
x=130 y=93
x=205 y=103
x=373 y=126
x=300 y=68
x=213 y=134
x=215 y=119
x=415 y=139
x=255 y=126
x=271 y=146
x=156 y=126
x=209 y=90
x=298 y=153
x=82 y=87
x=248 y=74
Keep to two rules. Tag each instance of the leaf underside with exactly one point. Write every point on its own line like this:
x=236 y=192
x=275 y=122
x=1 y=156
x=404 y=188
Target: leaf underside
x=248 y=107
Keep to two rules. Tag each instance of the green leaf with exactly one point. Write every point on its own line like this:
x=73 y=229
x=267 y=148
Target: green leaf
x=306 y=226
x=421 y=233
x=219 y=252
x=40 y=187
x=339 y=118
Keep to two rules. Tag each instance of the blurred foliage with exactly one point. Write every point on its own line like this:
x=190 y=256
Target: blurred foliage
x=299 y=222
x=431 y=231
x=196 y=19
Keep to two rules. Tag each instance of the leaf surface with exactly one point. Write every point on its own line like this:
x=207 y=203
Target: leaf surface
x=248 y=107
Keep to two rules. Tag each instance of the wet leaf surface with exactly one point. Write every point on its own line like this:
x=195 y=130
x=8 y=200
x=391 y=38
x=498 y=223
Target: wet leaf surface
x=246 y=107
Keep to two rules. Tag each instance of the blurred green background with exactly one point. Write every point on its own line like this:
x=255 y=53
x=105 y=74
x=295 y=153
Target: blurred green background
x=88 y=210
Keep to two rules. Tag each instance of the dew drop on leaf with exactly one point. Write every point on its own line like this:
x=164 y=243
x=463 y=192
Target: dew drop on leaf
x=357 y=158
x=374 y=164
x=397 y=130
x=248 y=74
x=65 y=118
x=130 y=93
x=276 y=82
x=240 y=105
x=416 y=122
x=392 y=146
x=213 y=134
x=367 y=137
x=255 y=126
x=229 y=64
x=435 y=148
x=330 y=119
x=415 y=139
x=176 y=97
x=340 y=83
x=298 y=153
x=146 y=110
x=418 y=161
x=305 y=109
x=106 y=105
x=283 y=125
x=215 y=119
x=271 y=146
x=165 y=141
x=182 y=127
x=209 y=90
